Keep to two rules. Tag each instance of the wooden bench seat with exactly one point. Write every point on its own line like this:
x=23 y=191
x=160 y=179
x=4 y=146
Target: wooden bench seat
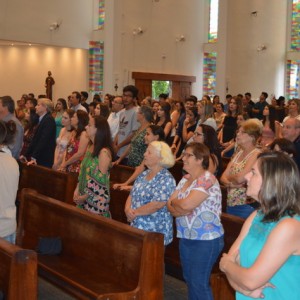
x=100 y=258
x=18 y=272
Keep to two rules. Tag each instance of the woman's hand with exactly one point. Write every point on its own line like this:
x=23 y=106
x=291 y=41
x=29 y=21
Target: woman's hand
x=130 y=214
x=80 y=199
x=258 y=293
x=186 y=121
x=32 y=162
x=115 y=163
x=62 y=167
x=226 y=258
x=118 y=185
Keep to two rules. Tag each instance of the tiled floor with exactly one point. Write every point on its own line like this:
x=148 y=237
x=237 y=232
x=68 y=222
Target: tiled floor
x=173 y=290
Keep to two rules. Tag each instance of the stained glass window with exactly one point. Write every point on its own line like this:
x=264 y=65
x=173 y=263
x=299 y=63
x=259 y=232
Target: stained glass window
x=101 y=14
x=292 y=84
x=209 y=73
x=96 y=60
x=213 y=21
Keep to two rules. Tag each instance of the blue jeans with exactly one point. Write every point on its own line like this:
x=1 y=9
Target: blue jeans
x=11 y=238
x=197 y=260
x=242 y=211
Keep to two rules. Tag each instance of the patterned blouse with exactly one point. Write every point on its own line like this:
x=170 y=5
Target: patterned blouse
x=203 y=223
x=238 y=196
x=137 y=149
x=95 y=184
x=72 y=148
x=145 y=191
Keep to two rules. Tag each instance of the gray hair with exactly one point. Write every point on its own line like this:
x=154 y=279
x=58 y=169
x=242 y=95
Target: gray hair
x=147 y=113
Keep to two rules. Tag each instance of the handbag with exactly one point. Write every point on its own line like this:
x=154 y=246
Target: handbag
x=49 y=246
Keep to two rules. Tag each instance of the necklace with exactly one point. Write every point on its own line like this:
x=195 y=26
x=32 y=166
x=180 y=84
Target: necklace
x=235 y=159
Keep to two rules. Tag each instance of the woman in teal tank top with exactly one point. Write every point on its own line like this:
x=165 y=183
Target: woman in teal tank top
x=92 y=191
x=264 y=261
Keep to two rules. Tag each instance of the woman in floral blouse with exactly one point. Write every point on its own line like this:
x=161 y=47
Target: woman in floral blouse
x=146 y=205
x=196 y=204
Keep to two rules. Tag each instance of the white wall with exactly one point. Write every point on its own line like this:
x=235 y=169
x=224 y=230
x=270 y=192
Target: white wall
x=29 y=21
x=239 y=63
x=249 y=69
x=163 y=22
x=24 y=69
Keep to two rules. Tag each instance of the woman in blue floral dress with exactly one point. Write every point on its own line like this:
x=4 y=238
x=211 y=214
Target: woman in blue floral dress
x=146 y=205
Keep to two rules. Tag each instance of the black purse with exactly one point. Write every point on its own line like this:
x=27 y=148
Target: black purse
x=49 y=246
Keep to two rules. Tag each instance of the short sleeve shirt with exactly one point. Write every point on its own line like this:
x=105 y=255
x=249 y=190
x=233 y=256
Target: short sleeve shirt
x=128 y=124
x=203 y=223
x=159 y=189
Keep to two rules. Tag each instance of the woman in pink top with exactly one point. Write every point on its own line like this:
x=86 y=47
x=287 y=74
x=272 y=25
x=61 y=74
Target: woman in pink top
x=78 y=143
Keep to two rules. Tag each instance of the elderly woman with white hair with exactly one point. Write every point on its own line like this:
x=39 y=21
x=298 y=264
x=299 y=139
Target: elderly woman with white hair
x=146 y=205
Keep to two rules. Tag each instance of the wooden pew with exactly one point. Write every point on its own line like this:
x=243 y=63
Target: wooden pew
x=117 y=204
x=58 y=185
x=18 y=272
x=100 y=258
x=119 y=173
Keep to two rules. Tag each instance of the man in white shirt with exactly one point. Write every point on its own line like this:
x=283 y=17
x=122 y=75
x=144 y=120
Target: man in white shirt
x=128 y=122
x=114 y=117
x=75 y=102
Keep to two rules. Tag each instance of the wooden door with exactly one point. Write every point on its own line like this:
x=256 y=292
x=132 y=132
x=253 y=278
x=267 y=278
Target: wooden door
x=145 y=87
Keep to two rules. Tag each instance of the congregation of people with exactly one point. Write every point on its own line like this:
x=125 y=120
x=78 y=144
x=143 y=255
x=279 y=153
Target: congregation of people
x=250 y=149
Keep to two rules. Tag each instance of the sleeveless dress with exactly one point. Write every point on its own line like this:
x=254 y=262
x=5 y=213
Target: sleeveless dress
x=72 y=148
x=287 y=278
x=229 y=129
x=237 y=196
x=58 y=125
x=61 y=146
x=137 y=149
x=95 y=184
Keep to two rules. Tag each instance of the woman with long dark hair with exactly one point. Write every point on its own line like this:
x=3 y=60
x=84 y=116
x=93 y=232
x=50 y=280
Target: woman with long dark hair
x=92 y=191
x=268 y=131
x=206 y=135
x=78 y=143
x=164 y=120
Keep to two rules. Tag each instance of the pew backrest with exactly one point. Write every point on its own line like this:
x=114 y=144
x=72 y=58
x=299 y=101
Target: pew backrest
x=123 y=259
x=54 y=184
x=18 y=272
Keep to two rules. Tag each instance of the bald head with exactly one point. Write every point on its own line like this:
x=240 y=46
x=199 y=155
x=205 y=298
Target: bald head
x=291 y=129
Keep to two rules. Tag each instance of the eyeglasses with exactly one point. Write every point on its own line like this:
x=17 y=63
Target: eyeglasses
x=187 y=155
x=197 y=133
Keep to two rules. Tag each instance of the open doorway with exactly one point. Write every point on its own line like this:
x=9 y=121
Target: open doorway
x=161 y=87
